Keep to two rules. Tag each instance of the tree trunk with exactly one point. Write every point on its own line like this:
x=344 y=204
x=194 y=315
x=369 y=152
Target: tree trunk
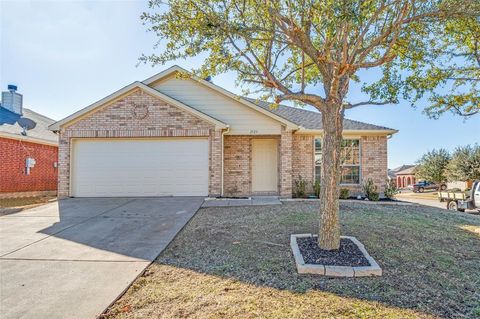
x=329 y=234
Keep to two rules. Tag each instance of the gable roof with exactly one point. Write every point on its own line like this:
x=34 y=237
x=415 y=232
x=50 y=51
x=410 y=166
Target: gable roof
x=174 y=69
x=406 y=171
x=401 y=168
x=293 y=118
x=91 y=108
x=9 y=127
x=393 y=172
x=311 y=120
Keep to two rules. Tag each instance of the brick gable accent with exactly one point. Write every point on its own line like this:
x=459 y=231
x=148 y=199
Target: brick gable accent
x=126 y=117
x=162 y=119
x=42 y=177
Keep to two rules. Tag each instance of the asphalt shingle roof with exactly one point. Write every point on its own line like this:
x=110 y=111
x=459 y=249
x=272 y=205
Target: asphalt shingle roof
x=9 y=125
x=310 y=119
x=406 y=171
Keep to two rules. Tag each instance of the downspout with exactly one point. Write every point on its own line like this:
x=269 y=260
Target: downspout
x=223 y=148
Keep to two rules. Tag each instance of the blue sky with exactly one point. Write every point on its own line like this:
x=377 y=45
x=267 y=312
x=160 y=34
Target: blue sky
x=65 y=55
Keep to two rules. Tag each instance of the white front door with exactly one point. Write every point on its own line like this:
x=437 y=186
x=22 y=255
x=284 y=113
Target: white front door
x=264 y=165
x=139 y=167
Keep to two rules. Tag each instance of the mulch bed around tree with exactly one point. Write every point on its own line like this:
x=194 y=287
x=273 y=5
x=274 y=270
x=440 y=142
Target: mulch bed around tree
x=348 y=255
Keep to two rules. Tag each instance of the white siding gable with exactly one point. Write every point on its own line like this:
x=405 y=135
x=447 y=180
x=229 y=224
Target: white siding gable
x=240 y=118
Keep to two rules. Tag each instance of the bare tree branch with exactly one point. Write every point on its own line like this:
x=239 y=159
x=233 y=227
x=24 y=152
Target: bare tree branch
x=351 y=106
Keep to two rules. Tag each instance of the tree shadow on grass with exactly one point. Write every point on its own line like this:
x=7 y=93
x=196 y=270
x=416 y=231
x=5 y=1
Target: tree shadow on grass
x=430 y=263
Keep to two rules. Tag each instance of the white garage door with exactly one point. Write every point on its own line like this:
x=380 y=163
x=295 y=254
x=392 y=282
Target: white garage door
x=140 y=167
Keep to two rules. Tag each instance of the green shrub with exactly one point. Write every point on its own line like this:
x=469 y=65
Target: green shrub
x=344 y=193
x=391 y=189
x=300 y=188
x=316 y=188
x=370 y=190
x=476 y=312
x=374 y=196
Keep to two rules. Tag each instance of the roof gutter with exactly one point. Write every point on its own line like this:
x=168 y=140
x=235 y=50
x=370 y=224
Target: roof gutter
x=27 y=138
x=350 y=132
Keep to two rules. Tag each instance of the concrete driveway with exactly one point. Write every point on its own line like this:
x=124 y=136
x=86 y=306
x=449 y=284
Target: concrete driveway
x=72 y=258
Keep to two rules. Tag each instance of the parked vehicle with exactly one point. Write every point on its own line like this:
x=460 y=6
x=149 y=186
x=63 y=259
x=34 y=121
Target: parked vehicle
x=462 y=200
x=420 y=187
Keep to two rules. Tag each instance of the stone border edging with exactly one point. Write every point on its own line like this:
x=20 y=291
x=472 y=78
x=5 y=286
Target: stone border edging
x=334 y=271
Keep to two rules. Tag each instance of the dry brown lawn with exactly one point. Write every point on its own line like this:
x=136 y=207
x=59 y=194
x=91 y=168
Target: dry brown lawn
x=236 y=263
x=14 y=205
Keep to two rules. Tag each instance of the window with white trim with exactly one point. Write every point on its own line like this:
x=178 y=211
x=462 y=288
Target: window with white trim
x=350 y=153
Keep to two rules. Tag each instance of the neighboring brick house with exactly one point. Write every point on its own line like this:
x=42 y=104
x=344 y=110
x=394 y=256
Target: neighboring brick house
x=405 y=176
x=19 y=148
x=176 y=135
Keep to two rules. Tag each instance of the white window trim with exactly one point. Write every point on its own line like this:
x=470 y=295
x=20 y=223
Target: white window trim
x=360 y=177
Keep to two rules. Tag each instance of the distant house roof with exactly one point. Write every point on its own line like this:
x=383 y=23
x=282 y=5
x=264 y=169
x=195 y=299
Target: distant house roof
x=406 y=171
x=312 y=120
x=401 y=168
x=391 y=173
x=40 y=134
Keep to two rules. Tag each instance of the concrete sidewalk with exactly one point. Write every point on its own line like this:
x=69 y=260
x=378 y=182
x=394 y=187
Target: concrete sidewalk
x=251 y=201
x=72 y=258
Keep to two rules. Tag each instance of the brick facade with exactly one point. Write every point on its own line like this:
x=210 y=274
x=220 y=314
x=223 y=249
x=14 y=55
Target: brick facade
x=303 y=159
x=237 y=169
x=118 y=120
x=286 y=145
x=42 y=177
x=373 y=161
x=238 y=164
x=404 y=180
x=215 y=167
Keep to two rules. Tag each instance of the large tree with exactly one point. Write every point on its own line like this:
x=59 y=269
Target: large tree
x=450 y=76
x=447 y=77
x=306 y=51
x=431 y=166
x=464 y=164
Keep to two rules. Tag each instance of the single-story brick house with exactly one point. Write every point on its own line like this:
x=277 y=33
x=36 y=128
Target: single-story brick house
x=177 y=135
x=406 y=176
x=28 y=158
